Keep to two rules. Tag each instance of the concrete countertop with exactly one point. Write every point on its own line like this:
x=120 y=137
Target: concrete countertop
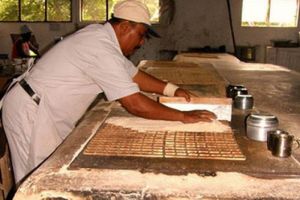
x=275 y=90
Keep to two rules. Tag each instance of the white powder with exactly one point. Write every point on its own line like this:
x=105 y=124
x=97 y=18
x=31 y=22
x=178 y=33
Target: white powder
x=226 y=185
x=145 y=125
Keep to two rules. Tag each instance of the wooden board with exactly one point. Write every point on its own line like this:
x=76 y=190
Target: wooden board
x=222 y=107
x=201 y=55
x=183 y=73
x=196 y=100
x=144 y=64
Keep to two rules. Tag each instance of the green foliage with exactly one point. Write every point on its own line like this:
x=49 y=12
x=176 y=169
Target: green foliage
x=93 y=10
x=34 y=10
x=59 y=10
x=111 y=4
x=9 y=10
x=153 y=6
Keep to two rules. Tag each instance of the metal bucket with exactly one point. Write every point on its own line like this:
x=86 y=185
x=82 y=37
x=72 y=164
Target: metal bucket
x=271 y=137
x=282 y=145
x=243 y=101
x=230 y=89
x=258 y=125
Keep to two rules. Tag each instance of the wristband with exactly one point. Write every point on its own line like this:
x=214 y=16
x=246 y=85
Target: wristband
x=170 y=89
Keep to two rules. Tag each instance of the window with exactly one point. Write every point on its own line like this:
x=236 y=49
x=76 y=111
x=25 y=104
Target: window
x=100 y=10
x=270 y=13
x=35 y=10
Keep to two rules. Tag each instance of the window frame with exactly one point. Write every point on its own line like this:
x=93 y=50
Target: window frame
x=45 y=13
x=90 y=21
x=267 y=23
x=106 y=13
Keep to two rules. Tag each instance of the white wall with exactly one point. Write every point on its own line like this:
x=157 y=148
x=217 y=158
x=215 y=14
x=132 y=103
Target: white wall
x=196 y=23
x=45 y=33
x=259 y=36
x=42 y=31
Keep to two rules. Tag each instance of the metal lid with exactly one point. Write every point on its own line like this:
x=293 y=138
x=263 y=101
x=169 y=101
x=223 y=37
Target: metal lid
x=262 y=120
x=230 y=90
x=240 y=89
x=278 y=131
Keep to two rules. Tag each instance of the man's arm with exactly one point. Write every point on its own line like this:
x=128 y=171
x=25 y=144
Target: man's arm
x=142 y=106
x=149 y=83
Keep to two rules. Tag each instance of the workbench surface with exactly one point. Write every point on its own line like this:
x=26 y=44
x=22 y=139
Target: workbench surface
x=275 y=90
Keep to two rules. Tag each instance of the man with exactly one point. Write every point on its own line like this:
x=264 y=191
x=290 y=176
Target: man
x=43 y=108
x=25 y=47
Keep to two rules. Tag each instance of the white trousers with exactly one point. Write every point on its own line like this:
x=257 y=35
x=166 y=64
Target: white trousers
x=29 y=129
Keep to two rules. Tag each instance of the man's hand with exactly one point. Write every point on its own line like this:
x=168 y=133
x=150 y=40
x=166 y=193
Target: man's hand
x=197 y=116
x=184 y=93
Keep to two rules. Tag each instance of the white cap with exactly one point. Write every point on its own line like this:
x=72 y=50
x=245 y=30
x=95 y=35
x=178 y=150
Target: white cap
x=25 y=29
x=134 y=10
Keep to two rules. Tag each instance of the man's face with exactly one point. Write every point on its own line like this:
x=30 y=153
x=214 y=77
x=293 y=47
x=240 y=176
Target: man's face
x=132 y=38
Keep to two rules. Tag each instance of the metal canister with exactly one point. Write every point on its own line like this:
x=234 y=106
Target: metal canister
x=259 y=124
x=239 y=91
x=243 y=101
x=230 y=89
x=271 y=137
x=282 y=145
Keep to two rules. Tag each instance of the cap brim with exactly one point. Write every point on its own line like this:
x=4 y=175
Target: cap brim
x=152 y=32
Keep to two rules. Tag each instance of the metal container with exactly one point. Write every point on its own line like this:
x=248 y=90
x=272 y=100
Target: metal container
x=282 y=146
x=239 y=91
x=230 y=88
x=259 y=124
x=243 y=101
x=271 y=137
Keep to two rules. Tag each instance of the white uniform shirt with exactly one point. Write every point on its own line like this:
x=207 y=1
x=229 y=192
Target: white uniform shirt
x=72 y=73
x=67 y=79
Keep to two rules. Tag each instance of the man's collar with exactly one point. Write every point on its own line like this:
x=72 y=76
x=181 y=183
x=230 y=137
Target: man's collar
x=112 y=34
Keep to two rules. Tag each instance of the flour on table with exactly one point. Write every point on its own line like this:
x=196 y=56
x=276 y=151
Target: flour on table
x=145 y=125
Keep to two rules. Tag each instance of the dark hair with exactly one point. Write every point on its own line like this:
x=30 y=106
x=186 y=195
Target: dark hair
x=114 y=20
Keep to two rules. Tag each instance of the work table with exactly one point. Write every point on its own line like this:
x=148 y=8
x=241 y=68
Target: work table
x=60 y=178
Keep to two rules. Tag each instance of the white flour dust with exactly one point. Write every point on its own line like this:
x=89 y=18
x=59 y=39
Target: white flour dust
x=145 y=125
